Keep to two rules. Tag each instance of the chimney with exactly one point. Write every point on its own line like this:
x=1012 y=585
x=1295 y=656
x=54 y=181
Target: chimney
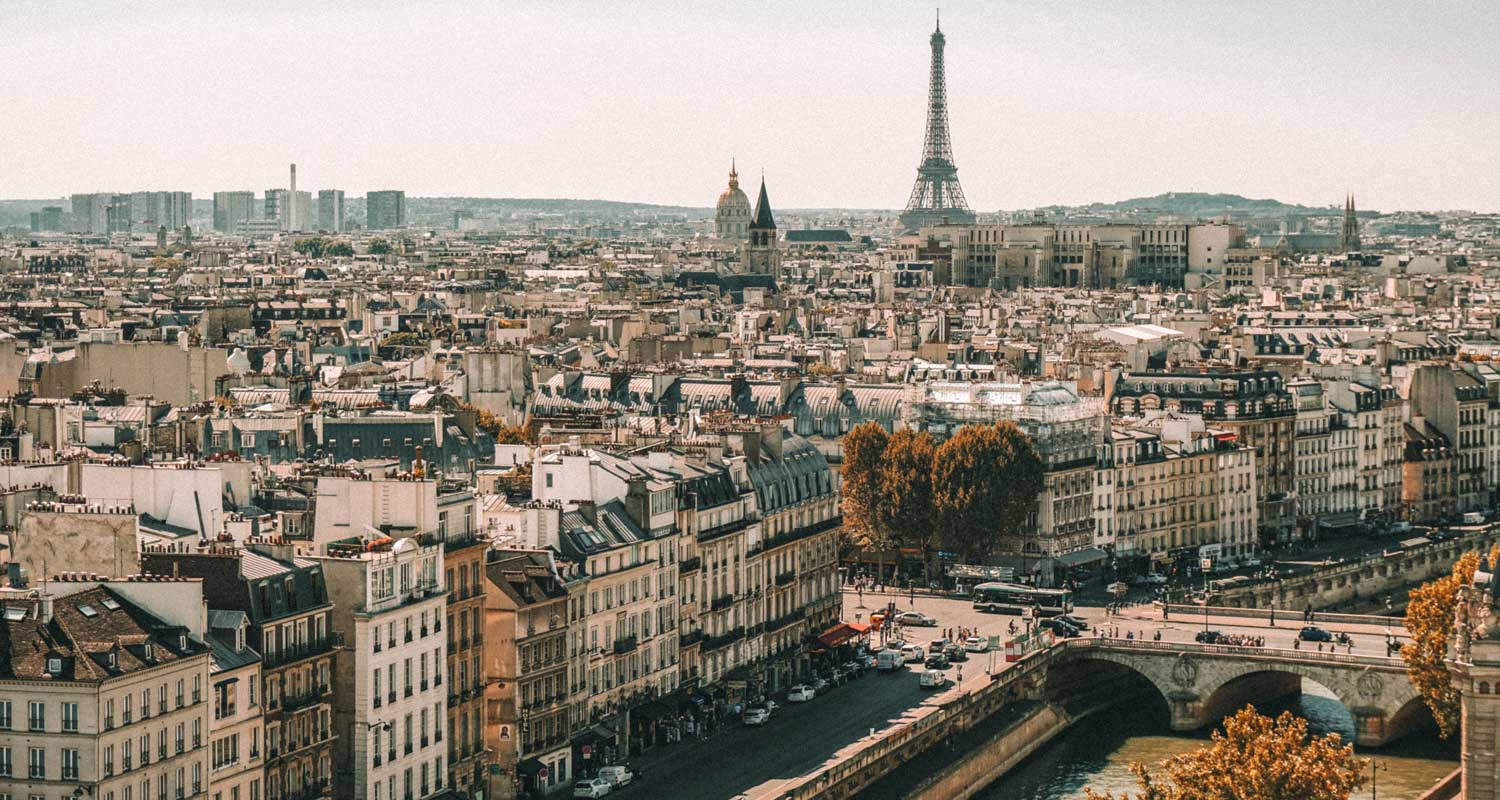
x=294 y=177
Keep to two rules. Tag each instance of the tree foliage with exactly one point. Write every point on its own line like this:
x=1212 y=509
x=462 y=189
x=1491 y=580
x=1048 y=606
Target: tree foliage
x=1429 y=619
x=864 y=447
x=312 y=246
x=379 y=247
x=985 y=481
x=1254 y=758
x=504 y=433
x=905 y=510
x=402 y=339
x=338 y=247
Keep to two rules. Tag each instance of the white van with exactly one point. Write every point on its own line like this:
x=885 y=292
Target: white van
x=1473 y=518
x=932 y=679
x=617 y=776
x=889 y=660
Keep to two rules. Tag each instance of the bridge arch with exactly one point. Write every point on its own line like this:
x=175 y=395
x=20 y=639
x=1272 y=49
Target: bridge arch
x=1085 y=684
x=1202 y=684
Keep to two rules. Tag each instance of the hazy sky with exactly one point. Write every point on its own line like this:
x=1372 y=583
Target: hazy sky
x=1051 y=102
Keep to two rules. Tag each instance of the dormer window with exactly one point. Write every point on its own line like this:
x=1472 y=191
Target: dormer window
x=182 y=642
x=109 y=659
x=54 y=665
x=150 y=652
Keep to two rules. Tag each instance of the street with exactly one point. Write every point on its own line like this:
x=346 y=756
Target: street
x=800 y=736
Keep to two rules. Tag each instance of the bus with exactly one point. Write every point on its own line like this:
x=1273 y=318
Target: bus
x=1012 y=598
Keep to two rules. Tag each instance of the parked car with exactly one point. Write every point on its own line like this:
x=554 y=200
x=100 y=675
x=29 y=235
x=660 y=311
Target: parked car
x=955 y=653
x=932 y=679
x=1208 y=637
x=818 y=683
x=913 y=653
x=889 y=660
x=977 y=644
x=1313 y=633
x=618 y=777
x=1077 y=622
x=853 y=669
x=937 y=661
x=592 y=787
x=867 y=660
x=757 y=716
x=1152 y=580
x=801 y=693
x=916 y=619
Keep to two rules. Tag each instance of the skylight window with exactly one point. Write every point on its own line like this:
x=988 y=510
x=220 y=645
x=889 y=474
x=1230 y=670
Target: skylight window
x=15 y=614
x=109 y=603
x=87 y=610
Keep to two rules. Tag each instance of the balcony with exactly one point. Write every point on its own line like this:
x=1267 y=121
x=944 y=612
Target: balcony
x=716 y=532
x=784 y=620
x=689 y=565
x=721 y=602
x=722 y=640
x=802 y=533
x=690 y=638
x=291 y=655
x=625 y=645
x=786 y=578
x=290 y=703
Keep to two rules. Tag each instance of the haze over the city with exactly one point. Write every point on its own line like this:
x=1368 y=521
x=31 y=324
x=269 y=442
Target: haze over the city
x=649 y=101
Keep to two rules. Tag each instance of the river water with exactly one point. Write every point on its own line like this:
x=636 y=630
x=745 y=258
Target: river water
x=1099 y=750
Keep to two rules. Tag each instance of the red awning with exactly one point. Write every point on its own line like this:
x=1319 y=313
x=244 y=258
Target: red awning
x=841 y=633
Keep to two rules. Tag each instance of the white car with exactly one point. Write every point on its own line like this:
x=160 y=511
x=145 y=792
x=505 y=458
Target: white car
x=757 y=716
x=800 y=694
x=913 y=654
x=592 y=787
x=618 y=777
x=977 y=644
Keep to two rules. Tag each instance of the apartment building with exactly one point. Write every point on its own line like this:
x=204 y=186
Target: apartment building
x=463 y=568
x=236 y=734
x=284 y=596
x=1254 y=406
x=1376 y=414
x=527 y=683
x=390 y=609
x=112 y=690
x=1430 y=474
x=1456 y=404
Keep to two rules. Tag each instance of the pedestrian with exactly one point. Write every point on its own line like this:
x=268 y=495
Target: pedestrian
x=1273 y=617
x=1320 y=647
x=1296 y=644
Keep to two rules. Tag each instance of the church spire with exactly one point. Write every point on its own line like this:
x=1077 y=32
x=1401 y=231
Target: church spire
x=763 y=218
x=734 y=175
x=1349 y=234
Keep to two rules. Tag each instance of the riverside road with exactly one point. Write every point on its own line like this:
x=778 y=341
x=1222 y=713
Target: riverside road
x=800 y=737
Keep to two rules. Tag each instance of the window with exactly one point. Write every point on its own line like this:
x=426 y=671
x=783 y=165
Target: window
x=69 y=764
x=5 y=764
x=70 y=717
x=36 y=716
x=4 y=715
x=36 y=763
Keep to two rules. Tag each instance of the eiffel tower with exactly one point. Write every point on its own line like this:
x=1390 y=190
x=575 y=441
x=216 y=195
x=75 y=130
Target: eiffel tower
x=937 y=198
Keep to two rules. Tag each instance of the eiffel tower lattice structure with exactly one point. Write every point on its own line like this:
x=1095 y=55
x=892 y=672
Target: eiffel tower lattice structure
x=937 y=198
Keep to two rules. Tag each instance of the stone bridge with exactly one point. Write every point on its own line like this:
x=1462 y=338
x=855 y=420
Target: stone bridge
x=1204 y=683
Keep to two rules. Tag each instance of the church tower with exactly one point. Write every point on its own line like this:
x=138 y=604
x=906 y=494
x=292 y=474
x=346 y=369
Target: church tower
x=1474 y=665
x=1349 y=236
x=760 y=254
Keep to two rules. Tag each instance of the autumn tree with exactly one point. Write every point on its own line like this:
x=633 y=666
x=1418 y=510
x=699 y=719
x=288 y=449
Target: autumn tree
x=864 y=447
x=1254 y=758
x=905 y=510
x=985 y=480
x=503 y=432
x=311 y=246
x=1429 y=619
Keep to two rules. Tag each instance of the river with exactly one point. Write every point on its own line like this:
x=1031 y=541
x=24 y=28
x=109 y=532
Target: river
x=1098 y=753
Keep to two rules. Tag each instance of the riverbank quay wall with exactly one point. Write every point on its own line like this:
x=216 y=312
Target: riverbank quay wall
x=1371 y=577
x=873 y=757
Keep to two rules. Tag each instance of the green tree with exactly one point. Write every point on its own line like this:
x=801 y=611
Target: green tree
x=338 y=248
x=1254 y=758
x=1429 y=619
x=863 y=447
x=379 y=247
x=311 y=246
x=905 y=509
x=985 y=481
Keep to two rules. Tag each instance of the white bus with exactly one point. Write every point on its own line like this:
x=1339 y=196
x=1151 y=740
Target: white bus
x=1012 y=598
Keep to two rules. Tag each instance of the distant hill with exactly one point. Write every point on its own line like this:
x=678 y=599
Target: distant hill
x=1201 y=204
